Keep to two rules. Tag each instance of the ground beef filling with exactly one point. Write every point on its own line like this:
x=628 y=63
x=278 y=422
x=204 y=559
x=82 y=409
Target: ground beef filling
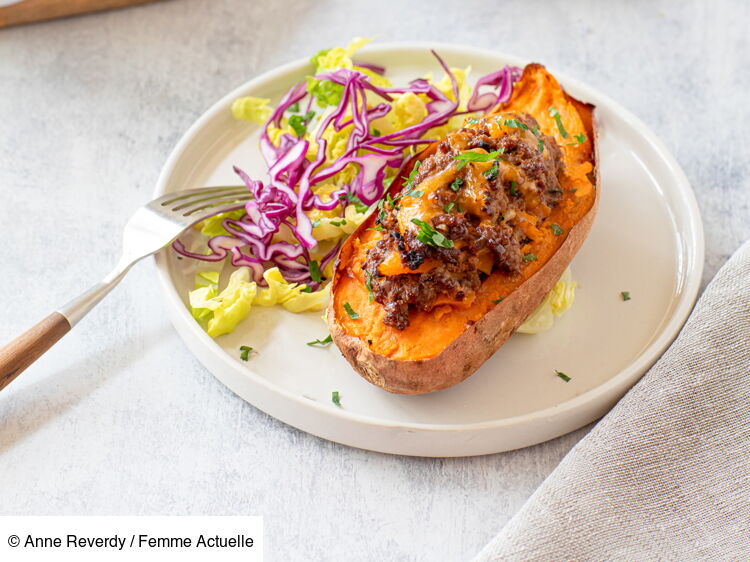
x=494 y=230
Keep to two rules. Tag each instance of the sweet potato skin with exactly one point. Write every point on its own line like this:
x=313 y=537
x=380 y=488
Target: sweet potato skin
x=479 y=341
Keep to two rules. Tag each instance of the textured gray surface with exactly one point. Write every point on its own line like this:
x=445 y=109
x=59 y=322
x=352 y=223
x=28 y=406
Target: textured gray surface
x=664 y=475
x=119 y=418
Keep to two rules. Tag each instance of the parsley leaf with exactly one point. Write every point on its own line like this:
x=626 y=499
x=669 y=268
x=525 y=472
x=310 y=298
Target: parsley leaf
x=368 y=284
x=501 y=299
x=466 y=157
x=529 y=257
x=412 y=174
x=378 y=228
x=244 y=352
x=338 y=222
x=350 y=311
x=391 y=202
x=580 y=139
x=306 y=289
x=540 y=145
x=299 y=123
x=325 y=341
x=457 y=183
x=625 y=295
x=431 y=237
x=381 y=212
x=514 y=188
x=336 y=398
x=358 y=205
x=294 y=108
x=558 y=119
x=515 y=124
x=556 y=230
x=491 y=174
x=315 y=274
x=449 y=207
x=563 y=376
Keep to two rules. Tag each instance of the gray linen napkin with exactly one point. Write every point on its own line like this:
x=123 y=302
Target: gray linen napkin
x=666 y=474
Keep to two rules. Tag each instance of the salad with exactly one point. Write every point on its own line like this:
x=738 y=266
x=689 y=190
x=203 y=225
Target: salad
x=332 y=146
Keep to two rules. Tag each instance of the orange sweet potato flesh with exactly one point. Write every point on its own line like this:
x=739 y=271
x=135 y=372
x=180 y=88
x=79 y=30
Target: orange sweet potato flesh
x=442 y=347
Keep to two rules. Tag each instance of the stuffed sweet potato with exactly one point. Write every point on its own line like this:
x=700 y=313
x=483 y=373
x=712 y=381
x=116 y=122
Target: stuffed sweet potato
x=468 y=242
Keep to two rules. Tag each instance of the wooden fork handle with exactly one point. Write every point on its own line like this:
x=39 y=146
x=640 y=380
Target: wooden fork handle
x=29 y=346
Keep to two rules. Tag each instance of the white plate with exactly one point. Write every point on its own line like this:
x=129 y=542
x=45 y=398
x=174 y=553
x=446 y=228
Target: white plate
x=647 y=239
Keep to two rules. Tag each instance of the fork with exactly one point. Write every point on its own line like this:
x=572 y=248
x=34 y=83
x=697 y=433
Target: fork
x=151 y=228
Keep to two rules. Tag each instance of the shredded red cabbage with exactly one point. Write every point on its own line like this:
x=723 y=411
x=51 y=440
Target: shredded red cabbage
x=278 y=209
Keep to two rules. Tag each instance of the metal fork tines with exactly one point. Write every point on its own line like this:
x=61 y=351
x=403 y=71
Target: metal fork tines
x=151 y=228
x=155 y=226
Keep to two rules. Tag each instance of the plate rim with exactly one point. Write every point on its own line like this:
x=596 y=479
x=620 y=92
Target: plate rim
x=629 y=375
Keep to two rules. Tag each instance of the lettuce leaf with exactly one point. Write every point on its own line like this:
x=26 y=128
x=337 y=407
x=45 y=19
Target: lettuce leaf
x=252 y=109
x=557 y=301
x=220 y=313
x=212 y=226
x=290 y=295
x=327 y=92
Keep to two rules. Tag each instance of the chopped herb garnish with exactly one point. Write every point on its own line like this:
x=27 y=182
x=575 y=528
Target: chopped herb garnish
x=491 y=174
x=457 y=183
x=449 y=207
x=315 y=274
x=529 y=257
x=625 y=295
x=325 y=341
x=472 y=121
x=294 y=108
x=412 y=174
x=299 y=123
x=556 y=191
x=306 y=289
x=535 y=130
x=563 y=376
x=556 y=114
x=338 y=222
x=316 y=223
x=540 y=145
x=244 y=351
x=381 y=211
x=466 y=157
x=375 y=132
x=413 y=193
x=358 y=205
x=378 y=228
x=580 y=139
x=391 y=202
x=556 y=230
x=514 y=188
x=501 y=299
x=428 y=235
x=515 y=124
x=350 y=311
x=335 y=398
x=574 y=190
x=368 y=284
